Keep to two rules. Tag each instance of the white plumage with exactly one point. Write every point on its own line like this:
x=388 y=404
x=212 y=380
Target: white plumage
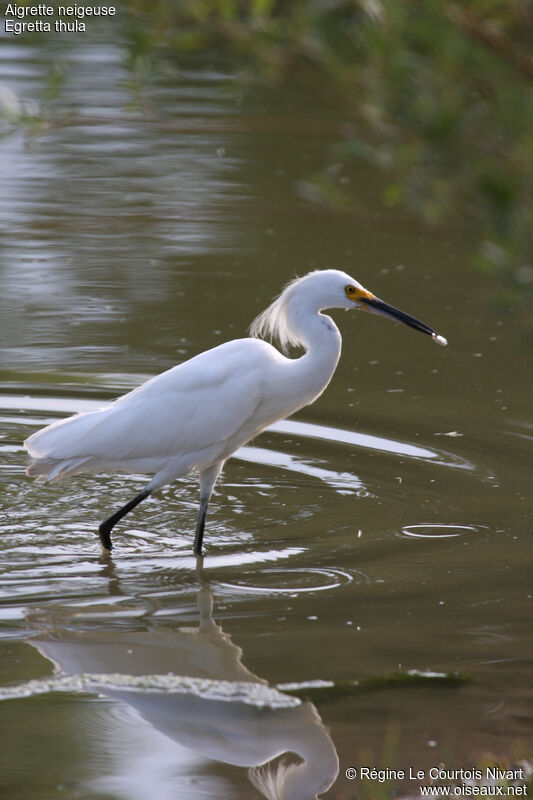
x=195 y=415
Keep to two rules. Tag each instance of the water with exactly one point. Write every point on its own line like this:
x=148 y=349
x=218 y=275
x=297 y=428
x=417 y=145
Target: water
x=384 y=529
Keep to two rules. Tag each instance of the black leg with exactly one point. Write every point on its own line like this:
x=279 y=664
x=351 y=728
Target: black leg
x=107 y=525
x=198 y=539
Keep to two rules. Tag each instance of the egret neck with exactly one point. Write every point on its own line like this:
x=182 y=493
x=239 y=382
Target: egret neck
x=322 y=341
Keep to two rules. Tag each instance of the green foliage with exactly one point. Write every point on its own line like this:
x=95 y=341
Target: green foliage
x=440 y=96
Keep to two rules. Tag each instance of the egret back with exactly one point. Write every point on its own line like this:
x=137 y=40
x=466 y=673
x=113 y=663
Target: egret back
x=194 y=412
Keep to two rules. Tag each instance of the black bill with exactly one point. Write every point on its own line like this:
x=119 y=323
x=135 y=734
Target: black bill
x=377 y=306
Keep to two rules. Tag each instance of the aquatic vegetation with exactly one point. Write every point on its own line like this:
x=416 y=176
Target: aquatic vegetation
x=328 y=690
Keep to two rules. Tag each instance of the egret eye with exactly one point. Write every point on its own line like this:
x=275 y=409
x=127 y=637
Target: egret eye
x=350 y=291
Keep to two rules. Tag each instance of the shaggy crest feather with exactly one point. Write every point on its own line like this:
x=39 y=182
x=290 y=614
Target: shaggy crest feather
x=273 y=322
x=271 y=782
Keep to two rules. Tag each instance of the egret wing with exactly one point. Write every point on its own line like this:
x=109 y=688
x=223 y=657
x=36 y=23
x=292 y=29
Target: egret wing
x=197 y=405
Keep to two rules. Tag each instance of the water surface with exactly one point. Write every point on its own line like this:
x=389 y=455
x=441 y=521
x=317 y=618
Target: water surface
x=386 y=528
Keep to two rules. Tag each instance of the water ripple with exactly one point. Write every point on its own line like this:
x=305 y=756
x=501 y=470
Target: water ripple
x=294 y=581
x=438 y=531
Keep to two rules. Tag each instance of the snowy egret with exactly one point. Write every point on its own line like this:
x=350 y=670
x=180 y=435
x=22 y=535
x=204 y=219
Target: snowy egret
x=197 y=414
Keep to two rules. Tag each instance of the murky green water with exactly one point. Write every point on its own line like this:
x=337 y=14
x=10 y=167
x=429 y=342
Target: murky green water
x=387 y=528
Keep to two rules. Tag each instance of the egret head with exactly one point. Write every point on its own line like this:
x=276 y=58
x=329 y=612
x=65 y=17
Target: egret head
x=319 y=290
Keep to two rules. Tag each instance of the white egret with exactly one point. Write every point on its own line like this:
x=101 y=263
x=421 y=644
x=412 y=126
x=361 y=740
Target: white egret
x=197 y=414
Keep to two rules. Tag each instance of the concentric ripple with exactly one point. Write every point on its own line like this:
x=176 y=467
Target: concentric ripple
x=438 y=531
x=294 y=581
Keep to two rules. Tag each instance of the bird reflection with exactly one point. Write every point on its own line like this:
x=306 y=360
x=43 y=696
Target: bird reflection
x=235 y=731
